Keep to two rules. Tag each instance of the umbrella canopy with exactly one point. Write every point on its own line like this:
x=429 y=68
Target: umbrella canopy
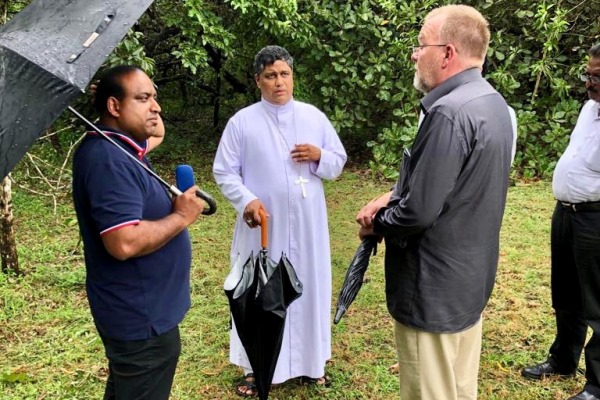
x=355 y=275
x=259 y=292
x=49 y=52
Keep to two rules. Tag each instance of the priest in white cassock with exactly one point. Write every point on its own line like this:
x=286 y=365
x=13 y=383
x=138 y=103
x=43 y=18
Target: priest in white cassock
x=273 y=156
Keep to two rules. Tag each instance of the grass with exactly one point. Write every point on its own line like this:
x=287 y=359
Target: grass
x=50 y=349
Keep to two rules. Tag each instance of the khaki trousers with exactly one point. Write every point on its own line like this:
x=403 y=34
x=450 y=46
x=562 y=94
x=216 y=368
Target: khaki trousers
x=438 y=366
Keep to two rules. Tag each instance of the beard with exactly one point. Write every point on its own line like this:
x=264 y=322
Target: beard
x=593 y=94
x=420 y=84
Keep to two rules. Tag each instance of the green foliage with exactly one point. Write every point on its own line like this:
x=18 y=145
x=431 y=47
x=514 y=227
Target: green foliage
x=199 y=25
x=131 y=51
x=352 y=60
x=386 y=154
x=543 y=138
x=537 y=51
x=10 y=7
x=277 y=18
x=356 y=66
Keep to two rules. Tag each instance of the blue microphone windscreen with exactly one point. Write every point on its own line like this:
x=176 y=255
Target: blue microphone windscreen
x=184 y=177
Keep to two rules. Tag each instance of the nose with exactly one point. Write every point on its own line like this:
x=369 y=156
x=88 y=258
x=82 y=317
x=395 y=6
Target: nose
x=155 y=106
x=414 y=56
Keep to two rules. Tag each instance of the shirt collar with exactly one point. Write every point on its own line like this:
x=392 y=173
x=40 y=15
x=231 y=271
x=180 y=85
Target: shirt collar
x=276 y=109
x=448 y=86
x=140 y=148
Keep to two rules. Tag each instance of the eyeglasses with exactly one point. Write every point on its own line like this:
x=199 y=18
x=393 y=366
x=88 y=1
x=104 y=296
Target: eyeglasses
x=592 y=78
x=418 y=48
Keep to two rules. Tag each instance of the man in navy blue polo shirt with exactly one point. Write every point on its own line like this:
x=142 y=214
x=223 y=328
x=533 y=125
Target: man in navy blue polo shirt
x=136 y=243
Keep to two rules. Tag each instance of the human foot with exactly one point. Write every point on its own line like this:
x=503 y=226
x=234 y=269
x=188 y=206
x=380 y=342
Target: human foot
x=324 y=381
x=247 y=386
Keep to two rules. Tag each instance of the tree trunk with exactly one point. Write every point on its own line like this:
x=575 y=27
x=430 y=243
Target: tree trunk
x=3 y=11
x=8 y=246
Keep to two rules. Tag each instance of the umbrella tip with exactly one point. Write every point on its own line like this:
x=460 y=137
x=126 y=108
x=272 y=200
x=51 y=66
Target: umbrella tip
x=339 y=313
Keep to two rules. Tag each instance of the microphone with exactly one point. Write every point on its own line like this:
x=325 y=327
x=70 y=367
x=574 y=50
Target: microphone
x=184 y=179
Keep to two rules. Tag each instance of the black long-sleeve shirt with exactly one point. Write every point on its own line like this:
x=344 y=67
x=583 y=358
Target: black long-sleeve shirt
x=443 y=221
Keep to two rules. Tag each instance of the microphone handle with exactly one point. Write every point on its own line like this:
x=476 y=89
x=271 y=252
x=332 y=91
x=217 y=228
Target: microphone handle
x=212 y=204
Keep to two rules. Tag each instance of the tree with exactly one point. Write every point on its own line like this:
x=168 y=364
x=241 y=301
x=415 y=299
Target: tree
x=352 y=60
x=8 y=243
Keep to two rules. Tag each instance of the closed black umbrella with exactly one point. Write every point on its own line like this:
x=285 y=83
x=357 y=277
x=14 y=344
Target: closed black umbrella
x=355 y=275
x=49 y=52
x=259 y=293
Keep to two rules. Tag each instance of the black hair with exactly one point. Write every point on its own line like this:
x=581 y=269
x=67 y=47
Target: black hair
x=110 y=85
x=268 y=55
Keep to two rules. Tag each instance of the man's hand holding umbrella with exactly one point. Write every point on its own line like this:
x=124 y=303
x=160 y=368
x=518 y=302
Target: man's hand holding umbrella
x=366 y=214
x=259 y=293
x=360 y=262
x=252 y=213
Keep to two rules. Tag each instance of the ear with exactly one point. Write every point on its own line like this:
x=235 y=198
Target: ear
x=449 y=56
x=257 y=80
x=113 y=107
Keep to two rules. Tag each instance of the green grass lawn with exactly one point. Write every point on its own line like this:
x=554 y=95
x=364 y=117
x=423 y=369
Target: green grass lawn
x=49 y=348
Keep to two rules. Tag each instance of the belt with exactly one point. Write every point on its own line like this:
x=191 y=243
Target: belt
x=580 y=207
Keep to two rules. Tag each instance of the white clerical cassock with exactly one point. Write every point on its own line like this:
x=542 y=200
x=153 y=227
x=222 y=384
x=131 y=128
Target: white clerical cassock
x=253 y=161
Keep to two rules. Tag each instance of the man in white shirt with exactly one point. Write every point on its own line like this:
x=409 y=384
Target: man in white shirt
x=575 y=247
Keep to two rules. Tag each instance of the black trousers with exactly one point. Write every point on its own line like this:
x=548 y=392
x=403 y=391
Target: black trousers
x=575 y=249
x=141 y=369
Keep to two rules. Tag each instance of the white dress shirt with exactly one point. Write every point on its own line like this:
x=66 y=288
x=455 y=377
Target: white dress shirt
x=577 y=174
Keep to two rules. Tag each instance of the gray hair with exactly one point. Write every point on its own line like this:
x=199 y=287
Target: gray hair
x=268 y=55
x=595 y=51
